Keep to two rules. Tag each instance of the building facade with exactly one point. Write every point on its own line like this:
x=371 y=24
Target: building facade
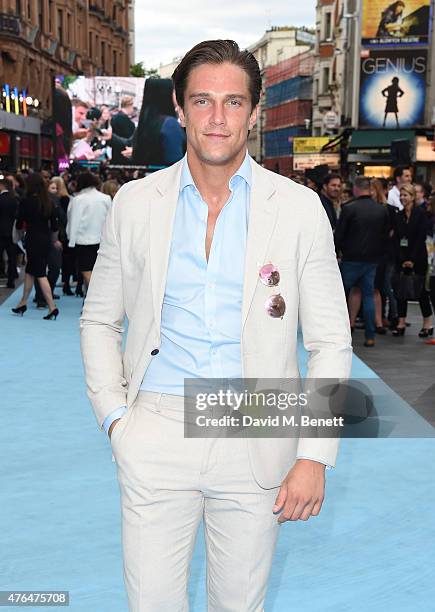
x=287 y=109
x=275 y=46
x=356 y=62
x=42 y=38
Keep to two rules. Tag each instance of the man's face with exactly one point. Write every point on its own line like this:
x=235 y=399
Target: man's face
x=46 y=176
x=406 y=177
x=333 y=189
x=419 y=192
x=217 y=112
x=80 y=113
x=13 y=180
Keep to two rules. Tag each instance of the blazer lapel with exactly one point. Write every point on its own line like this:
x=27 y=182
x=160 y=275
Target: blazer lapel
x=262 y=219
x=162 y=215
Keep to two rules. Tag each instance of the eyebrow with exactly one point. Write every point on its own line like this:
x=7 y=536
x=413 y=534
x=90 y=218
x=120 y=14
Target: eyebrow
x=207 y=95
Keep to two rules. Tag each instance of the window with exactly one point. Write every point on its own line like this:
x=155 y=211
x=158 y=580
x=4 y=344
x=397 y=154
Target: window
x=50 y=16
x=103 y=54
x=325 y=87
x=70 y=29
x=60 y=26
x=327 y=31
x=41 y=15
x=90 y=45
x=114 y=62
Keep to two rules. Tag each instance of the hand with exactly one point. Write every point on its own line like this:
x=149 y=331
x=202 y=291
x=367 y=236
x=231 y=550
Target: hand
x=58 y=245
x=407 y=264
x=302 y=491
x=106 y=134
x=112 y=425
x=80 y=133
x=127 y=152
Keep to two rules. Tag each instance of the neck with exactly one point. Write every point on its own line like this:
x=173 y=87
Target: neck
x=327 y=195
x=212 y=180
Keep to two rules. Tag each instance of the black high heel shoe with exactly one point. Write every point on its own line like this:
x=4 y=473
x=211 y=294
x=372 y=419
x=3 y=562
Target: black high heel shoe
x=19 y=310
x=67 y=289
x=425 y=332
x=79 y=291
x=51 y=315
x=399 y=331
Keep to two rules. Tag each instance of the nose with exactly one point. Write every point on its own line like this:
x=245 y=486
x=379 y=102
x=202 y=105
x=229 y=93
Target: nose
x=218 y=114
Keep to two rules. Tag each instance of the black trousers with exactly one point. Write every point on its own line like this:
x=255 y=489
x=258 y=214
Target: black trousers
x=69 y=264
x=426 y=297
x=7 y=245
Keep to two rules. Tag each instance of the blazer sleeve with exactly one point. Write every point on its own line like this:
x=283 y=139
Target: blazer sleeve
x=325 y=326
x=73 y=221
x=101 y=327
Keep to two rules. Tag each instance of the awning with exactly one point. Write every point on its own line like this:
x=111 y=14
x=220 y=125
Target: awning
x=378 y=139
x=374 y=146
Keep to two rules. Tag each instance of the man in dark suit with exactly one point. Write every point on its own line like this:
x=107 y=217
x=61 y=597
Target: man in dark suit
x=8 y=212
x=330 y=196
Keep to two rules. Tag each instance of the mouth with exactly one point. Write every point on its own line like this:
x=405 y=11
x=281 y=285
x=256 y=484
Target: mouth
x=217 y=136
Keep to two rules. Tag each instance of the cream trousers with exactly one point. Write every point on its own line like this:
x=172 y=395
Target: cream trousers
x=168 y=483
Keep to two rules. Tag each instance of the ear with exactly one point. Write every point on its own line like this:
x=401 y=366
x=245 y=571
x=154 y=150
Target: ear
x=253 y=118
x=178 y=110
x=181 y=116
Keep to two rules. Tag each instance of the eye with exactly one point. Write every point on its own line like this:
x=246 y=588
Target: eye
x=201 y=102
x=235 y=102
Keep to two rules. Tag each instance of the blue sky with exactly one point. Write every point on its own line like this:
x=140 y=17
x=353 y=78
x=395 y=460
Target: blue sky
x=170 y=28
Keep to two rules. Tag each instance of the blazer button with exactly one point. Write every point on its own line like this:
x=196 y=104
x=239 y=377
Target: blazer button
x=154 y=352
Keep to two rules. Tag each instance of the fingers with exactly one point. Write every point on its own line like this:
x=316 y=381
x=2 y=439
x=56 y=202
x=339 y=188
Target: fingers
x=300 y=509
x=280 y=500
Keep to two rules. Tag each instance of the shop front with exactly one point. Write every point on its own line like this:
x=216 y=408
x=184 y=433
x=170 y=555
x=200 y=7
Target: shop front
x=370 y=151
x=20 y=142
x=309 y=152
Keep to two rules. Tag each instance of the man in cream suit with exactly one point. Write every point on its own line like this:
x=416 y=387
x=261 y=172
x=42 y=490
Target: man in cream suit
x=180 y=258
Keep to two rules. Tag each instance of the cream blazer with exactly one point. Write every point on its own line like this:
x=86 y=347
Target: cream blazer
x=288 y=227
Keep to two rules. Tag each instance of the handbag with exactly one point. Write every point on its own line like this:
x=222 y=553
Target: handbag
x=407 y=285
x=17 y=234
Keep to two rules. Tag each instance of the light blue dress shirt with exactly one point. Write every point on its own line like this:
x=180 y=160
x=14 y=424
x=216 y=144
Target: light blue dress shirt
x=202 y=304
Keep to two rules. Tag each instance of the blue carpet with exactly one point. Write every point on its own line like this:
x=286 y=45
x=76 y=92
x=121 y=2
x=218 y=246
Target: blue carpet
x=371 y=548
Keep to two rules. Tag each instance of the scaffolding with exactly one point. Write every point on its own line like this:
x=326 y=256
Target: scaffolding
x=301 y=65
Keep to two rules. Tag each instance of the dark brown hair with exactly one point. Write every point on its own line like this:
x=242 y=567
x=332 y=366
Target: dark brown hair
x=217 y=52
x=87 y=179
x=36 y=186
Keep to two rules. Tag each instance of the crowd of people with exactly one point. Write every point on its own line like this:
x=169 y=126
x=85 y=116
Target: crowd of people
x=384 y=232
x=54 y=224
x=384 y=235
x=121 y=135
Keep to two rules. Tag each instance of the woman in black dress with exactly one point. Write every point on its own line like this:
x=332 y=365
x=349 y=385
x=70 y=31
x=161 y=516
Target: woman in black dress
x=392 y=92
x=411 y=253
x=36 y=215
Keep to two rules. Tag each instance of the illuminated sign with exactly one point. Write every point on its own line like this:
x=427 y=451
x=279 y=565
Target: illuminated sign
x=15 y=101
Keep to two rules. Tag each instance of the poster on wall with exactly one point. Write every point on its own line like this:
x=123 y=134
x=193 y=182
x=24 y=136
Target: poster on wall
x=393 y=89
x=404 y=22
x=116 y=121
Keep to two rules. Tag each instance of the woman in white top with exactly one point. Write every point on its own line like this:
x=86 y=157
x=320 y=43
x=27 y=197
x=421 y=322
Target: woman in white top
x=86 y=215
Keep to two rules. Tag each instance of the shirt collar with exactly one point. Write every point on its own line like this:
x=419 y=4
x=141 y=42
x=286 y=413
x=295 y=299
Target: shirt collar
x=244 y=172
